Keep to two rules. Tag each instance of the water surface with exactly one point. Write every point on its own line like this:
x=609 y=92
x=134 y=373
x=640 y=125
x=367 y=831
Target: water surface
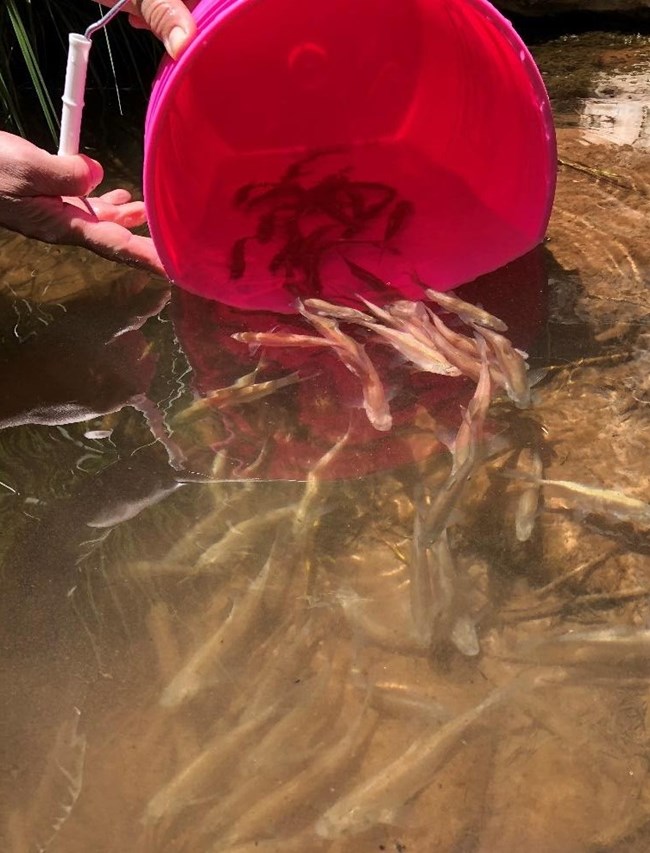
x=319 y=683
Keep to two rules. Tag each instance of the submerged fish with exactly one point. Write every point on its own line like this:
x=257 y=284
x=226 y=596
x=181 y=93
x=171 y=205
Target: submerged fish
x=398 y=218
x=269 y=762
x=400 y=700
x=414 y=317
x=202 y=669
x=530 y=462
x=306 y=785
x=380 y=797
x=280 y=339
x=306 y=510
x=242 y=537
x=608 y=502
x=191 y=782
x=469 y=438
x=620 y=647
x=234 y=395
x=512 y=366
x=467 y=363
x=468 y=313
x=357 y=361
x=60 y=785
x=337 y=312
x=421 y=588
x=468 y=448
x=373 y=281
x=424 y=356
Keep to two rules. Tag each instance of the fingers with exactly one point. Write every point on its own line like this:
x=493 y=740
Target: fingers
x=53 y=220
x=26 y=170
x=171 y=21
x=129 y=214
x=116 y=196
x=114 y=242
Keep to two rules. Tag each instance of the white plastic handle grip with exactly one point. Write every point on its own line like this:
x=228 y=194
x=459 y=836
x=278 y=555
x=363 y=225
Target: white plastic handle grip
x=73 y=95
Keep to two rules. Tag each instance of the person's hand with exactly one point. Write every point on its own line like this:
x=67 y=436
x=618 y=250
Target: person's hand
x=170 y=20
x=40 y=197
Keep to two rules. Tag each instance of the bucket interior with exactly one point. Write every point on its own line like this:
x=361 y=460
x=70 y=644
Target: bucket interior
x=433 y=104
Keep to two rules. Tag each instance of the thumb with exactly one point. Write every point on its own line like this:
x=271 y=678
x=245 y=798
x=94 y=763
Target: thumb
x=66 y=175
x=26 y=170
x=171 y=21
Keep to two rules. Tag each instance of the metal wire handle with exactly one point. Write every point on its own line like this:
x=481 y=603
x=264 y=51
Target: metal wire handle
x=105 y=19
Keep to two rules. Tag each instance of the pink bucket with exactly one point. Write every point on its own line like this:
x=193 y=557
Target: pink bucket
x=313 y=148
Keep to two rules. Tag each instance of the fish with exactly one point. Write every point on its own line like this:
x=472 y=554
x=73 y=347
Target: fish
x=242 y=537
x=412 y=317
x=421 y=587
x=234 y=395
x=379 y=313
x=622 y=647
x=401 y=700
x=60 y=786
x=426 y=357
x=308 y=783
x=292 y=193
x=464 y=637
x=378 y=631
x=357 y=361
x=447 y=499
x=201 y=669
x=127 y=507
x=190 y=783
x=468 y=448
x=373 y=281
x=415 y=350
x=280 y=339
x=398 y=218
x=378 y=798
x=512 y=366
x=266 y=226
x=444 y=586
x=296 y=169
x=337 y=312
x=306 y=508
x=285 y=656
x=470 y=314
x=244 y=193
x=237 y=264
x=468 y=364
x=269 y=762
x=471 y=431
x=528 y=503
x=374 y=208
x=98 y=434
x=593 y=499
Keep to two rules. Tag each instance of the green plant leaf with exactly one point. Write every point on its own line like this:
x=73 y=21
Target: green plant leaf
x=33 y=68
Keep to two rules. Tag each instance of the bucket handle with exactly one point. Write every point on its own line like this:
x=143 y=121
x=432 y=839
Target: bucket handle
x=75 y=81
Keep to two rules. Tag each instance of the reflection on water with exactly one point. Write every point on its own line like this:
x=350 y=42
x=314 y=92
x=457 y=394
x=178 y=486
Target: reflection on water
x=618 y=110
x=621 y=118
x=187 y=668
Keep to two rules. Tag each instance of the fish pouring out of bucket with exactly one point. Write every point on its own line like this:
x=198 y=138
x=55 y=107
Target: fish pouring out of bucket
x=347 y=162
